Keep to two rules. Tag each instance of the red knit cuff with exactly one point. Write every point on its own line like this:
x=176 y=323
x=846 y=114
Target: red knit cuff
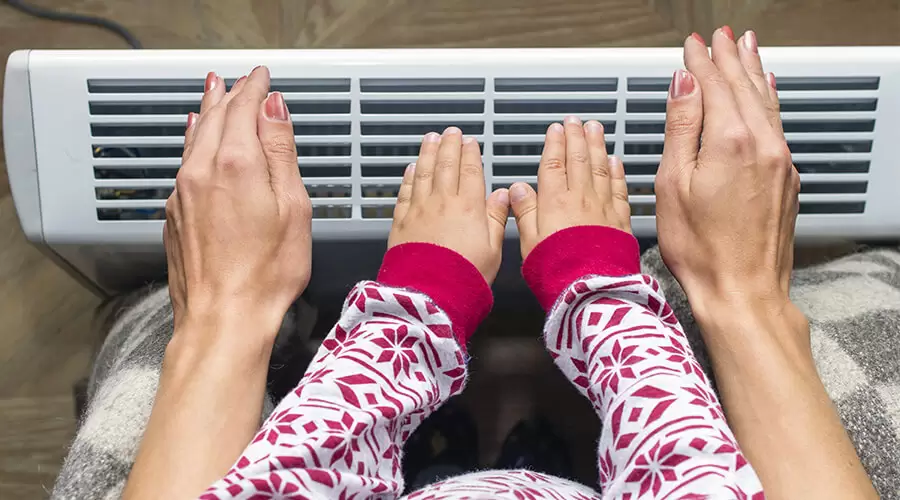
x=571 y=253
x=453 y=283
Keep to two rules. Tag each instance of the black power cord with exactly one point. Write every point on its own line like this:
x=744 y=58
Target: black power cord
x=66 y=17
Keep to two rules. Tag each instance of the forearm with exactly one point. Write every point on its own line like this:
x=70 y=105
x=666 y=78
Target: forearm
x=776 y=403
x=207 y=408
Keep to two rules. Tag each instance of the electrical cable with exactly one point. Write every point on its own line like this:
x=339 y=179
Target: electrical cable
x=66 y=17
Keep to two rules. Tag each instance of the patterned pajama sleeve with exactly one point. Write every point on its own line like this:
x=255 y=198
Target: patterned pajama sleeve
x=392 y=359
x=612 y=333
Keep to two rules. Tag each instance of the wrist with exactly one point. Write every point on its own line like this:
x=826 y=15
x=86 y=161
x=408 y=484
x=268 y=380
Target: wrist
x=572 y=253
x=222 y=319
x=232 y=335
x=449 y=280
x=718 y=307
x=737 y=328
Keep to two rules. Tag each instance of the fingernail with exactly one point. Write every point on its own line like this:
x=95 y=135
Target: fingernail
x=254 y=69
x=555 y=128
x=750 y=42
x=517 y=192
x=502 y=196
x=696 y=36
x=276 y=108
x=594 y=127
x=468 y=140
x=682 y=84
x=574 y=120
x=211 y=80
x=432 y=137
x=410 y=169
x=770 y=78
x=452 y=131
x=726 y=30
x=239 y=80
x=191 y=119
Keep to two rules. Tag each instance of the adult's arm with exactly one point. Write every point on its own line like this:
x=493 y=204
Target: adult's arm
x=726 y=211
x=237 y=238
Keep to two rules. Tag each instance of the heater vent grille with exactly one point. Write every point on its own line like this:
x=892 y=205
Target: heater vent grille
x=355 y=136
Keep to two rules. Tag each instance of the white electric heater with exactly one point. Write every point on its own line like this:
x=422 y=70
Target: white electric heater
x=93 y=139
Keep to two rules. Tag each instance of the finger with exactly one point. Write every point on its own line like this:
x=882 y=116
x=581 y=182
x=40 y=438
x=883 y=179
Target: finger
x=684 y=124
x=189 y=128
x=720 y=108
x=773 y=85
x=523 y=201
x=276 y=136
x=241 y=124
x=404 y=194
x=206 y=134
x=446 y=169
x=749 y=100
x=599 y=160
x=748 y=53
x=552 y=170
x=619 y=190
x=497 y=207
x=578 y=168
x=235 y=91
x=424 y=178
x=213 y=91
x=772 y=88
x=471 y=172
x=238 y=85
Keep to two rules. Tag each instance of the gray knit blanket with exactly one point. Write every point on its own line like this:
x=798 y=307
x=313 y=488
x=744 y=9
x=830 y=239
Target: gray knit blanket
x=853 y=305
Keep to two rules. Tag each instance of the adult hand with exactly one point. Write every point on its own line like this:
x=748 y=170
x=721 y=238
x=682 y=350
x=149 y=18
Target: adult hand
x=578 y=185
x=237 y=239
x=726 y=209
x=238 y=224
x=442 y=201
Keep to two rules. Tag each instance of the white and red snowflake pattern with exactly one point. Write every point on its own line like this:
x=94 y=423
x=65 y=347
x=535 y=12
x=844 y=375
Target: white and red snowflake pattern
x=664 y=434
x=392 y=360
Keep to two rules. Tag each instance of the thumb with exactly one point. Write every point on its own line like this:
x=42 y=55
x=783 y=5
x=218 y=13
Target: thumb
x=276 y=136
x=497 y=207
x=524 y=206
x=684 y=124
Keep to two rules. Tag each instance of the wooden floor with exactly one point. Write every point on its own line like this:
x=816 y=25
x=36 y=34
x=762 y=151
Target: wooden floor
x=45 y=336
